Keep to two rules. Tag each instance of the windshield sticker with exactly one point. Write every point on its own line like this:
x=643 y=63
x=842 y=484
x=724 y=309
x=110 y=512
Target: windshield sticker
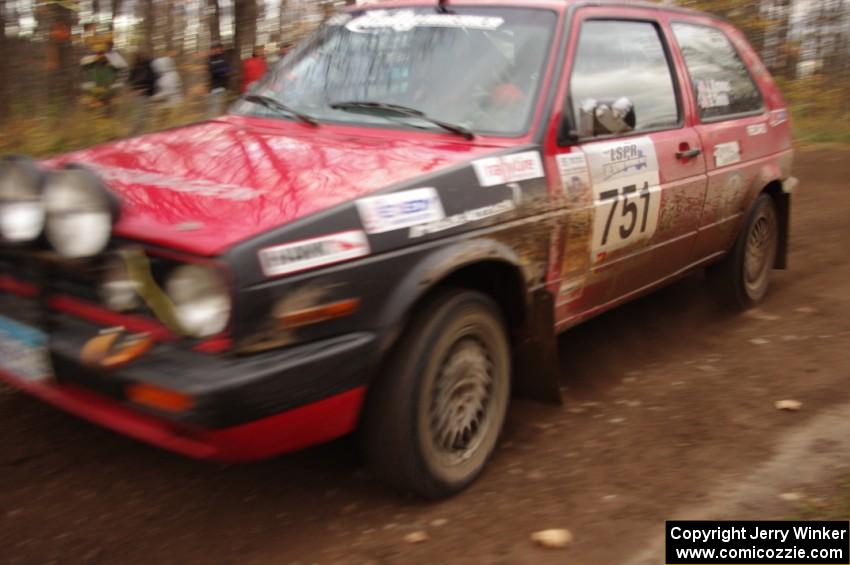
x=201 y=187
x=406 y=20
x=713 y=93
x=311 y=253
x=626 y=191
x=575 y=175
x=756 y=129
x=727 y=154
x=496 y=171
x=400 y=210
x=467 y=217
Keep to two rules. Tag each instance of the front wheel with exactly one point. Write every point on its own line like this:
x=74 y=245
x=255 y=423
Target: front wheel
x=433 y=417
x=743 y=277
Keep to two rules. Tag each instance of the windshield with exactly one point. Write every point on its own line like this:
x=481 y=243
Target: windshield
x=476 y=68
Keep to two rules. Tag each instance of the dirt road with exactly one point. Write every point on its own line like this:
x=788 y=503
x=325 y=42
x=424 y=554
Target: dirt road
x=670 y=413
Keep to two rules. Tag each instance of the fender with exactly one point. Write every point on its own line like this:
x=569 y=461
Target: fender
x=535 y=344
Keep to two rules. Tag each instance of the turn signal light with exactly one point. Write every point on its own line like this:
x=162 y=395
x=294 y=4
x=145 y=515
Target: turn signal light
x=159 y=398
x=316 y=314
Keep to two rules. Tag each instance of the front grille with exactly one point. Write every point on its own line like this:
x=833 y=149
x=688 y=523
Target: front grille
x=53 y=276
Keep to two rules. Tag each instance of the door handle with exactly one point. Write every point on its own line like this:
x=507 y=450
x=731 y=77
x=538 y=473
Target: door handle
x=689 y=153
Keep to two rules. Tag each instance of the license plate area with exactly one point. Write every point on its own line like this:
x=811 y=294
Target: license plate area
x=24 y=352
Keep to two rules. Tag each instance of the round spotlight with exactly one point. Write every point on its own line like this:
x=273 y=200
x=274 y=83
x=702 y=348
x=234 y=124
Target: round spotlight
x=80 y=212
x=21 y=207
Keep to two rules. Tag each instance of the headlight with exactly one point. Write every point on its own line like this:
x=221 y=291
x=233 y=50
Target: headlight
x=21 y=207
x=201 y=299
x=80 y=212
x=117 y=290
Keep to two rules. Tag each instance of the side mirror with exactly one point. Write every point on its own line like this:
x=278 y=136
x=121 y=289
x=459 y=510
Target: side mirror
x=606 y=118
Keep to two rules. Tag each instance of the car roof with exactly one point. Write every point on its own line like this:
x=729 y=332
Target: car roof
x=552 y=4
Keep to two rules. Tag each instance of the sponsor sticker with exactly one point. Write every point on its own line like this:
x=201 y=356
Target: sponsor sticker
x=406 y=20
x=399 y=210
x=467 y=217
x=713 y=93
x=311 y=253
x=778 y=117
x=627 y=193
x=575 y=175
x=727 y=153
x=495 y=171
x=756 y=129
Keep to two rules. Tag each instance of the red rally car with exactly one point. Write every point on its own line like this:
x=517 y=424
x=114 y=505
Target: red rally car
x=388 y=231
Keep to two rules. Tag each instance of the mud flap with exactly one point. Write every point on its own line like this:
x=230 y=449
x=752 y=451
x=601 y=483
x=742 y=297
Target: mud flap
x=536 y=372
x=783 y=208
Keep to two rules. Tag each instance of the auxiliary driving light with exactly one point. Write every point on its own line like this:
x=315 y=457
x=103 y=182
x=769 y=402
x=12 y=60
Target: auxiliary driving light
x=80 y=212
x=21 y=207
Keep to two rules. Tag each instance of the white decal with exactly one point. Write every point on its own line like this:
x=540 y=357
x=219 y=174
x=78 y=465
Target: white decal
x=575 y=176
x=399 y=210
x=727 y=154
x=463 y=218
x=311 y=253
x=756 y=129
x=406 y=20
x=713 y=93
x=627 y=193
x=778 y=117
x=494 y=171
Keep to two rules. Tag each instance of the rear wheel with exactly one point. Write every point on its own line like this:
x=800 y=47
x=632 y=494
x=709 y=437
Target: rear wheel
x=433 y=417
x=743 y=277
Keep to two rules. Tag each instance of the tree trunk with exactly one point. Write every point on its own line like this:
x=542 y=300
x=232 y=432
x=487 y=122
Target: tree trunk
x=245 y=36
x=214 y=21
x=55 y=23
x=4 y=49
x=149 y=17
x=169 y=28
x=245 y=33
x=116 y=9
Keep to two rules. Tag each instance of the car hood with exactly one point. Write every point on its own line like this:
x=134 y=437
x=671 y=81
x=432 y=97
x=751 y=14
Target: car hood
x=206 y=187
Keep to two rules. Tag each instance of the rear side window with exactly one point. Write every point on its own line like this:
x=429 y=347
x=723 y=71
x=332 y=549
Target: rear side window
x=618 y=59
x=721 y=81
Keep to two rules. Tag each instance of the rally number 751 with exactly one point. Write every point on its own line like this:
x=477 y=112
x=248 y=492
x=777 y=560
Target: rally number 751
x=630 y=217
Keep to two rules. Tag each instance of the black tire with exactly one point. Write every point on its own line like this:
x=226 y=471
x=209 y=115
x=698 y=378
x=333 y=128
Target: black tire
x=742 y=278
x=416 y=408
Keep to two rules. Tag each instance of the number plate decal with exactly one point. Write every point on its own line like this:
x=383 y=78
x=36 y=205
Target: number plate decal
x=23 y=351
x=627 y=193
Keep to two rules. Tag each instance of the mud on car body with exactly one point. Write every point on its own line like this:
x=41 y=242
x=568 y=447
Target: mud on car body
x=380 y=238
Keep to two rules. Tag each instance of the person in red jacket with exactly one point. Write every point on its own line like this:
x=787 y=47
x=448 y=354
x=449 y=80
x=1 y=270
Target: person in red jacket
x=253 y=68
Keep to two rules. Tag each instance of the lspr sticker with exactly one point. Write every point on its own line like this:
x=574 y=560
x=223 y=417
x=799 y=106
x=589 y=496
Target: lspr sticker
x=495 y=171
x=399 y=210
x=627 y=193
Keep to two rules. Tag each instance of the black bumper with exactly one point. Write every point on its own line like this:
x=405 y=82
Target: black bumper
x=227 y=390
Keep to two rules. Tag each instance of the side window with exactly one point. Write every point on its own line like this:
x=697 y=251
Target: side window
x=722 y=84
x=622 y=65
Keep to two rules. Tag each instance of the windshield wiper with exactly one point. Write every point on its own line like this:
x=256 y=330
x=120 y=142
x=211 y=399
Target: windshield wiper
x=395 y=109
x=275 y=104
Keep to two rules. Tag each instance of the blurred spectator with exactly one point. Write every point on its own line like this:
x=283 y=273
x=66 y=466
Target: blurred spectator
x=253 y=68
x=168 y=92
x=219 y=76
x=142 y=83
x=116 y=60
x=101 y=81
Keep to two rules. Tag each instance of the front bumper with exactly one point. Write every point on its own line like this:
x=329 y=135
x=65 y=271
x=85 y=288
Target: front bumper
x=244 y=407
